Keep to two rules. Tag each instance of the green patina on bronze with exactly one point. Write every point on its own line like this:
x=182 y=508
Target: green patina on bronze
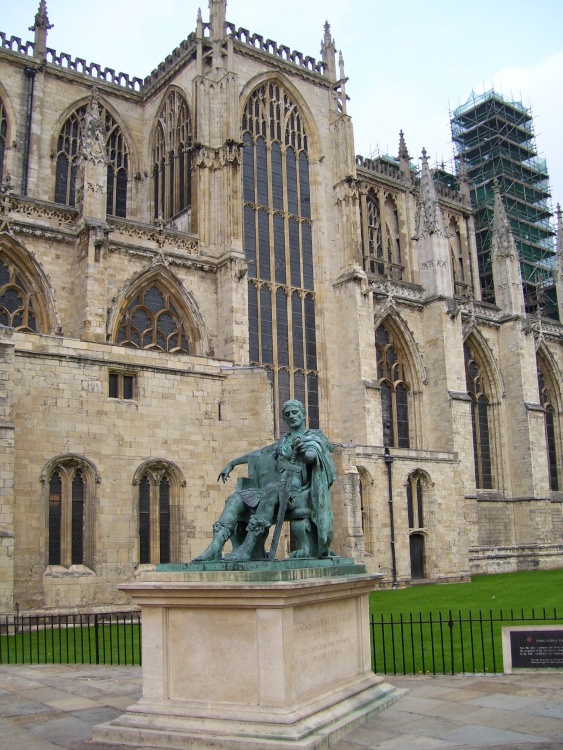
x=289 y=480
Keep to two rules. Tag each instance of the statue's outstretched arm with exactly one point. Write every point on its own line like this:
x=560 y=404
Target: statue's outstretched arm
x=224 y=473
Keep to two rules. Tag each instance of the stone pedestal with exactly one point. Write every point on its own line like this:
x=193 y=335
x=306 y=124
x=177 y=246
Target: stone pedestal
x=238 y=665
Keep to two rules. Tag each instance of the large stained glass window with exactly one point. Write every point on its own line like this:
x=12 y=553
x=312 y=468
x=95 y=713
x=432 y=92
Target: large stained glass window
x=391 y=376
x=171 y=153
x=68 y=148
x=278 y=242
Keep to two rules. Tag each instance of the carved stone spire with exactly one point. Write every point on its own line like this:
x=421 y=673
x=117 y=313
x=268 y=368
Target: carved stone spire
x=199 y=32
x=41 y=27
x=328 y=52
x=432 y=239
x=217 y=19
x=404 y=158
x=430 y=218
x=507 y=276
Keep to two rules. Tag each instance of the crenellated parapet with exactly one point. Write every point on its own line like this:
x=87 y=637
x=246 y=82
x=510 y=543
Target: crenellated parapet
x=278 y=50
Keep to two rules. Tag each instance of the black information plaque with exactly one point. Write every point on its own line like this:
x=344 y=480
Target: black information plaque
x=536 y=649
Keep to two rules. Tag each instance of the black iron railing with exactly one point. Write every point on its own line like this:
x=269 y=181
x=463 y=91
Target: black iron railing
x=100 y=638
x=445 y=643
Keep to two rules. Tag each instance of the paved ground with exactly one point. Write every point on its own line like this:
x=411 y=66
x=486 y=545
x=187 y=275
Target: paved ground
x=49 y=707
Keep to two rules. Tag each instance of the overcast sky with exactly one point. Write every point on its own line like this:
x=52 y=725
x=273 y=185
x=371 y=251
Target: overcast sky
x=409 y=62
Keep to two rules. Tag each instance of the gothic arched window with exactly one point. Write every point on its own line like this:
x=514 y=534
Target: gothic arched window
x=158 y=506
x=70 y=490
x=551 y=425
x=18 y=303
x=381 y=246
x=373 y=243
x=152 y=321
x=394 y=390
x=172 y=158
x=480 y=406
x=3 y=133
x=415 y=505
x=68 y=149
x=278 y=243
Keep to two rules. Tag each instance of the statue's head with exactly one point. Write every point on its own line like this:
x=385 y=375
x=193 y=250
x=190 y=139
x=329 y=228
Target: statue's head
x=293 y=403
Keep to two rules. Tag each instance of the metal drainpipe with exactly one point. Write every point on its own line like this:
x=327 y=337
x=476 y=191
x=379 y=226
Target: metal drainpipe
x=388 y=458
x=30 y=73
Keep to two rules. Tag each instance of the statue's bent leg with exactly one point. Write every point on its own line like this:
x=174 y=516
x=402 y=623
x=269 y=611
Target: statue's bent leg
x=302 y=531
x=223 y=529
x=257 y=530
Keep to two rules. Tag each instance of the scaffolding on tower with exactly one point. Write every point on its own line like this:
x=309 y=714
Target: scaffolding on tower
x=495 y=139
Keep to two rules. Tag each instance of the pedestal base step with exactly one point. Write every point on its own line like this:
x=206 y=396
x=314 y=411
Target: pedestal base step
x=153 y=727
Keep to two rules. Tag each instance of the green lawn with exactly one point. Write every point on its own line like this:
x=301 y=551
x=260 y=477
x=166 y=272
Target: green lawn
x=105 y=644
x=528 y=590
x=456 y=628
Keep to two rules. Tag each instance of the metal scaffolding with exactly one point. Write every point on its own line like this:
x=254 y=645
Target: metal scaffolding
x=495 y=139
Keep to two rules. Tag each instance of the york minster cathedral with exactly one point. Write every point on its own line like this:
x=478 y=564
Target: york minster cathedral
x=182 y=254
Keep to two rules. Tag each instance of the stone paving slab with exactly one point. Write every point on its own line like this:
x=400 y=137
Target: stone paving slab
x=53 y=707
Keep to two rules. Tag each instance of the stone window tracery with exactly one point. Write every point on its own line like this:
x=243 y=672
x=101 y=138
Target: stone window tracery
x=278 y=243
x=152 y=321
x=18 y=304
x=158 y=506
x=381 y=246
x=172 y=158
x=480 y=411
x=68 y=150
x=551 y=428
x=391 y=374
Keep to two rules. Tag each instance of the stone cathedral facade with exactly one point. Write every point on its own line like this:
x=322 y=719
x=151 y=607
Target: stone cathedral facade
x=181 y=254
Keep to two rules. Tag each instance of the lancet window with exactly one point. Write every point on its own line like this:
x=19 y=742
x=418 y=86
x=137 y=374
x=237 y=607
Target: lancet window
x=391 y=374
x=415 y=498
x=152 y=321
x=172 y=158
x=18 y=304
x=480 y=410
x=68 y=151
x=278 y=241
x=158 y=492
x=3 y=134
x=551 y=429
x=381 y=246
x=70 y=488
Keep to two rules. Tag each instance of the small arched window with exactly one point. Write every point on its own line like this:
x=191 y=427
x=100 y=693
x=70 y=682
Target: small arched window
x=68 y=150
x=172 y=158
x=152 y=321
x=70 y=487
x=391 y=374
x=480 y=406
x=373 y=242
x=415 y=505
x=551 y=429
x=158 y=505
